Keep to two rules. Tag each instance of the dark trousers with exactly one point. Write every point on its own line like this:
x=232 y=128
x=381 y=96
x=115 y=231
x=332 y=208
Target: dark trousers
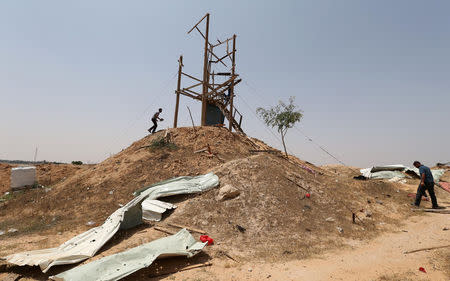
x=153 y=128
x=421 y=191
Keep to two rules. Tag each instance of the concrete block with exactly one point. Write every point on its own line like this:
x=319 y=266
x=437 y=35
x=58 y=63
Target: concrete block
x=22 y=177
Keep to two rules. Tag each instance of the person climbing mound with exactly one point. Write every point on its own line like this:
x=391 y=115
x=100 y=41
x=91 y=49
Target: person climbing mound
x=155 y=120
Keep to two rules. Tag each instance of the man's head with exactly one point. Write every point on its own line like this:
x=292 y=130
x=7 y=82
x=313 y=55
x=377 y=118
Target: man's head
x=160 y=110
x=417 y=164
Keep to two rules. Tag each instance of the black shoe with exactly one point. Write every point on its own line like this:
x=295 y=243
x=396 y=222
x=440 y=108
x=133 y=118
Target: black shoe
x=438 y=207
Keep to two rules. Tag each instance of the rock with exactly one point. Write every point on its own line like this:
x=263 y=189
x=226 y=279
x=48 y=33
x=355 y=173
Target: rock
x=1 y=232
x=330 y=219
x=12 y=230
x=90 y=223
x=340 y=229
x=227 y=192
x=379 y=202
x=368 y=213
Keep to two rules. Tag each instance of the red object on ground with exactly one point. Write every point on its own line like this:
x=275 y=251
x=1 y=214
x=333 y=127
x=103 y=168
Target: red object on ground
x=414 y=195
x=422 y=269
x=445 y=185
x=307 y=195
x=206 y=238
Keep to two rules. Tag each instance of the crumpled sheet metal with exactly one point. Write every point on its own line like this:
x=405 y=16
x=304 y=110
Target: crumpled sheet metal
x=120 y=265
x=391 y=171
x=85 y=245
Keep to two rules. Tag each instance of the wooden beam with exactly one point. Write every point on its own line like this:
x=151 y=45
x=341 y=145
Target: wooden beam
x=177 y=104
x=205 y=73
x=207 y=15
x=233 y=59
x=193 y=86
x=190 y=95
x=192 y=77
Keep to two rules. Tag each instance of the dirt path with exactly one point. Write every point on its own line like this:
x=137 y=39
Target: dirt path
x=380 y=259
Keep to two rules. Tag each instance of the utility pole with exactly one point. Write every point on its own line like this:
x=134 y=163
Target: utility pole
x=180 y=66
x=205 y=73
x=35 y=154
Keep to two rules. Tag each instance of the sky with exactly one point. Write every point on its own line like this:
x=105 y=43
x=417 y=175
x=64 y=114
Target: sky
x=80 y=80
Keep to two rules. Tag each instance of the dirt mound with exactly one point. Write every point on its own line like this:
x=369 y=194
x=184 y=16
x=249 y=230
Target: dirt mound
x=271 y=218
x=94 y=193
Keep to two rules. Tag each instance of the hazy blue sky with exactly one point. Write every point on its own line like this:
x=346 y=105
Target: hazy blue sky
x=79 y=80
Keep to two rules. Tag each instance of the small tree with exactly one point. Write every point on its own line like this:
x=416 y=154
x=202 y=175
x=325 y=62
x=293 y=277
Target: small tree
x=282 y=116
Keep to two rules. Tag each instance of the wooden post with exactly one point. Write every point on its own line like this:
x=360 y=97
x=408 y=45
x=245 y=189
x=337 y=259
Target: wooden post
x=177 y=104
x=233 y=58
x=205 y=73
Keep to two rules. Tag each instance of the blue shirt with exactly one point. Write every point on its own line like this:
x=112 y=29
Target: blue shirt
x=428 y=175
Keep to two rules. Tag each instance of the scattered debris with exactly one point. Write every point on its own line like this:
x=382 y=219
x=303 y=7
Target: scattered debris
x=368 y=213
x=422 y=269
x=163 y=230
x=85 y=245
x=445 y=228
x=2 y=232
x=426 y=249
x=183 y=269
x=120 y=265
x=330 y=219
x=12 y=277
x=340 y=229
x=240 y=228
x=90 y=223
x=12 y=230
x=221 y=252
x=188 y=228
x=437 y=211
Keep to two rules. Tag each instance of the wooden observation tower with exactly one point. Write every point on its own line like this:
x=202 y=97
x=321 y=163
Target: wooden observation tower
x=217 y=84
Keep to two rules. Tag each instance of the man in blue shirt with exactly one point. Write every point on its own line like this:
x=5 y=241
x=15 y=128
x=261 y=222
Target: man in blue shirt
x=426 y=183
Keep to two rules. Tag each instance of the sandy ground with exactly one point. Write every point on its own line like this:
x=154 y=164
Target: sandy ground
x=380 y=259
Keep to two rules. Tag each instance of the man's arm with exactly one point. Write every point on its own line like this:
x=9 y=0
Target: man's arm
x=422 y=179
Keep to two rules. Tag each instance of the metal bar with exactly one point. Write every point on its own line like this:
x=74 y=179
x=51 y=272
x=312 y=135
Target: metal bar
x=207 y=15
x=177 y=104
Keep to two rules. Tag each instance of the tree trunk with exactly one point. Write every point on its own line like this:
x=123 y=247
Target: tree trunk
x=284 y=144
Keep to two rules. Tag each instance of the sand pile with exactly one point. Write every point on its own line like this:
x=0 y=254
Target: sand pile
x=269 y=217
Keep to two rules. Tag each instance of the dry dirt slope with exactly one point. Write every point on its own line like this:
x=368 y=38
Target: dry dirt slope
x=279 y=222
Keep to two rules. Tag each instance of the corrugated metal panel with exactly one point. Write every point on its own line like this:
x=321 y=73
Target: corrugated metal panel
x=85 y=245
x=152 y=210
x=120 y=265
